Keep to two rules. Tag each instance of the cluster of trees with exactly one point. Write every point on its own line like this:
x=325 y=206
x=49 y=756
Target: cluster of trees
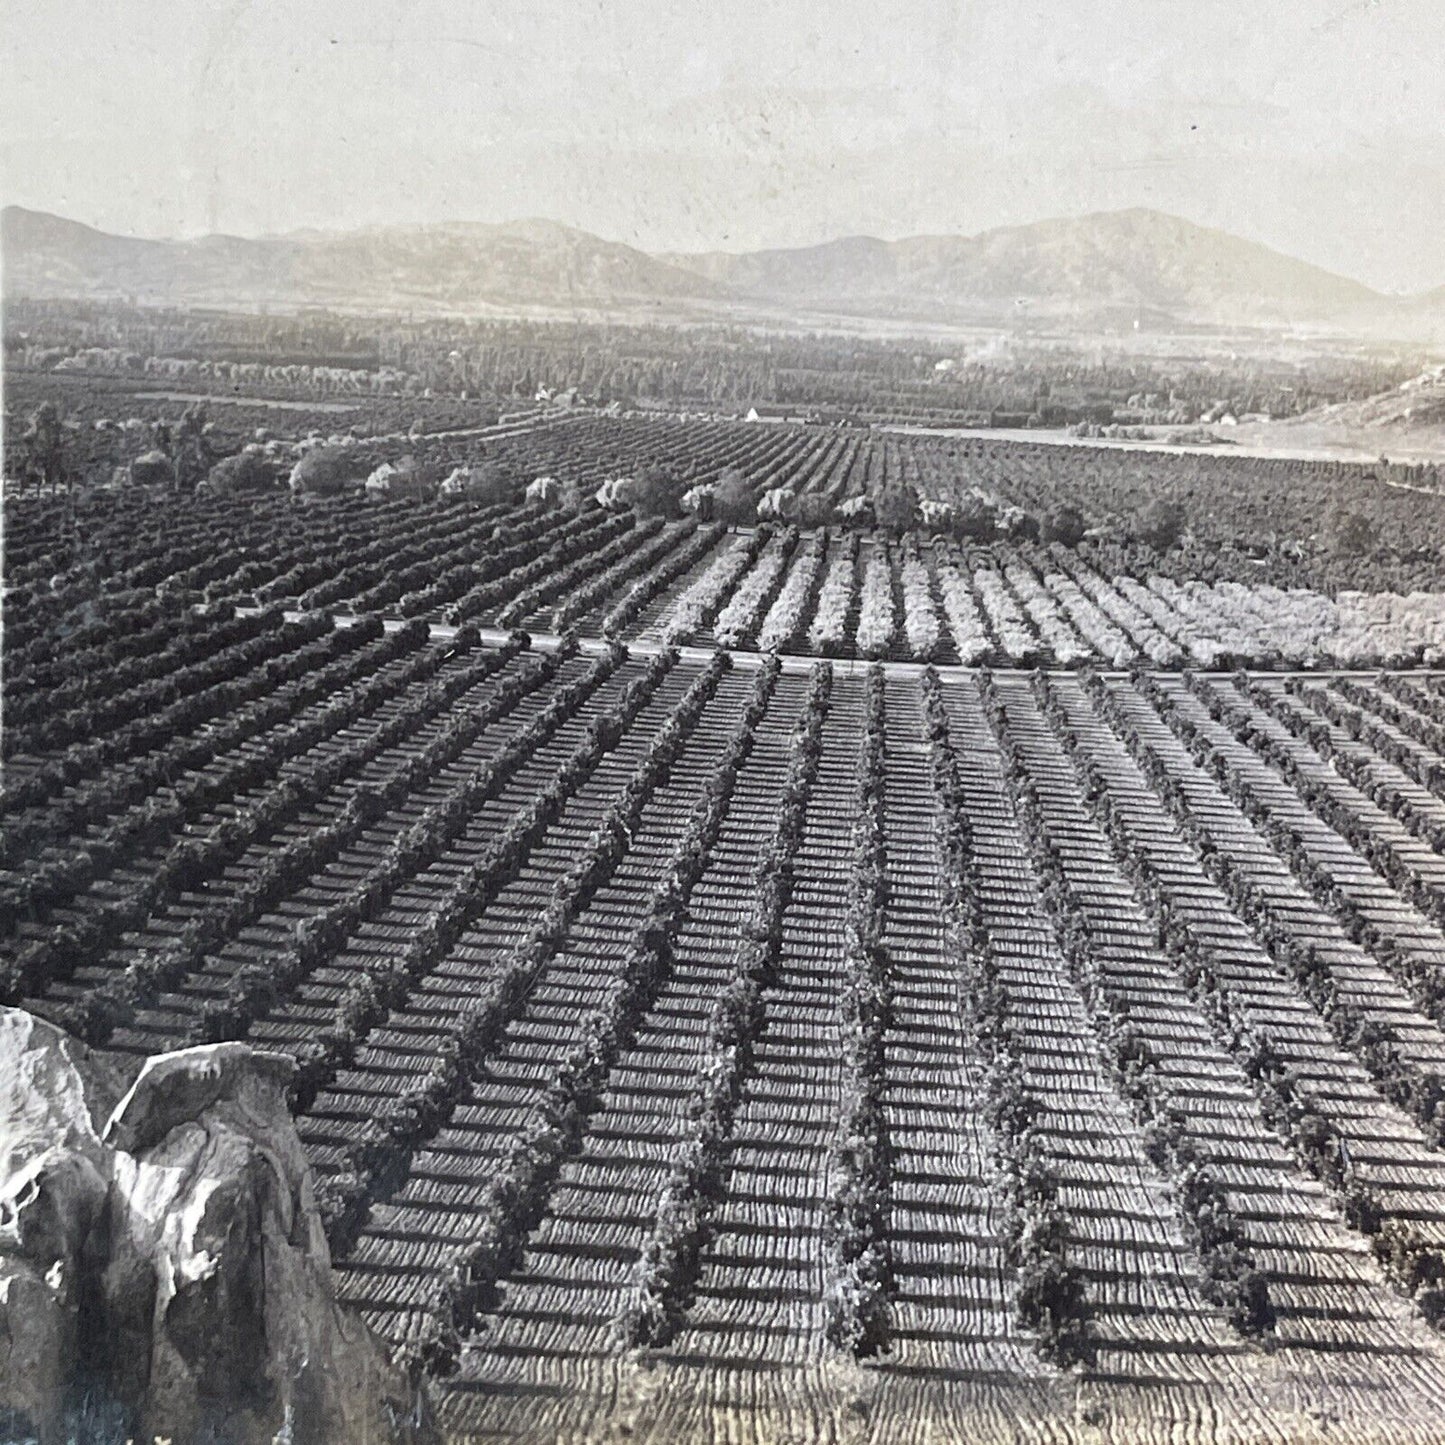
x=311 y=378
x=626 y=610
x=583 y=536
x=1367 y=1032
x=80 y=578
x=158 y=455
x=1413 y=694
x=384 y=982
x=1418 y=974
x=1418 y=1091
x=665 y=1275
x=972 y=638
x=242 y=658
x=1127 y=619
x=522 y=1180
x=312 y=335
x=391 y=568
x=1287 y=1097
x=59 y=713
x=1049 y=1297
x=378 y=1160
x=638 y=546
x=778 y=627
x=1320 y=794
x=875 y=606
x=718 y=365
x=190 y=861
x=899 y=509
x=1351 y=708
x=110 y=643
x=1060 y=638
x=860 y=1166
x=128 y=788
x=464 y=555
x=1324 y=524
x=828 y=631
x=702 y=602
x=1012 y=635
x=755 y=593
x=920 y=617
x=184 y=862
x=274 y=878
x=132 y=620
x=1424 y=729
x=1329 y=525
x=1230 y=1274
x=587 y=585
x=1357 y=767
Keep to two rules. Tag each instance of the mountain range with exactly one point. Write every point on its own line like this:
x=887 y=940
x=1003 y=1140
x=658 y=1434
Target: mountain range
x=1115 y=268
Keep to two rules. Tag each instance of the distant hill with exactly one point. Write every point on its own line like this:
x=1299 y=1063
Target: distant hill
x=1112 y=266
x=453 y=265
x=1414 y=405
x=1110 y=262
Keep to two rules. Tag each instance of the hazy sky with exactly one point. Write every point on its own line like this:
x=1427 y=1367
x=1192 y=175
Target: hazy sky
x=1316 y=126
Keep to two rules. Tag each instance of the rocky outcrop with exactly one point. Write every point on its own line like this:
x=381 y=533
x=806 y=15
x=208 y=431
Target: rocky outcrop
x=54 y=1189
x=163 y=1270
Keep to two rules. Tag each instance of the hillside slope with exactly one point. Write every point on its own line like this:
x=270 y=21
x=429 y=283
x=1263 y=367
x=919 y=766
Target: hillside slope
x=1414 y=405
x=453 y=264
x=1137 y=260
x=1111 y=268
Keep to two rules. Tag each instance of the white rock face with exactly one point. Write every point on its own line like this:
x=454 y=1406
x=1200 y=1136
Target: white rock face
x=172 y=1262
x=53 y=1195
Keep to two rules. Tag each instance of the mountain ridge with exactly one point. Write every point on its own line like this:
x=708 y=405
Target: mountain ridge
x=1070 y=269
x=1130 y=257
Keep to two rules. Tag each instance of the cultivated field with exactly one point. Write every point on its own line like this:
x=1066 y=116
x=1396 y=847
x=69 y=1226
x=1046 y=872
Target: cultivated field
x=721 y=1015
x=930 y=592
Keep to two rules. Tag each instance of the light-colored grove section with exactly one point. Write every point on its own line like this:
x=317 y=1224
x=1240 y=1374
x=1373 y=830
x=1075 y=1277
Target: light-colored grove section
x=1303 y=628
x=936 y=600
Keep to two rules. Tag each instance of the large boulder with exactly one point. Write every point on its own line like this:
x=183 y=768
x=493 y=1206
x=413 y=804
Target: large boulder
x=54 y=1189
x=169 y=1269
